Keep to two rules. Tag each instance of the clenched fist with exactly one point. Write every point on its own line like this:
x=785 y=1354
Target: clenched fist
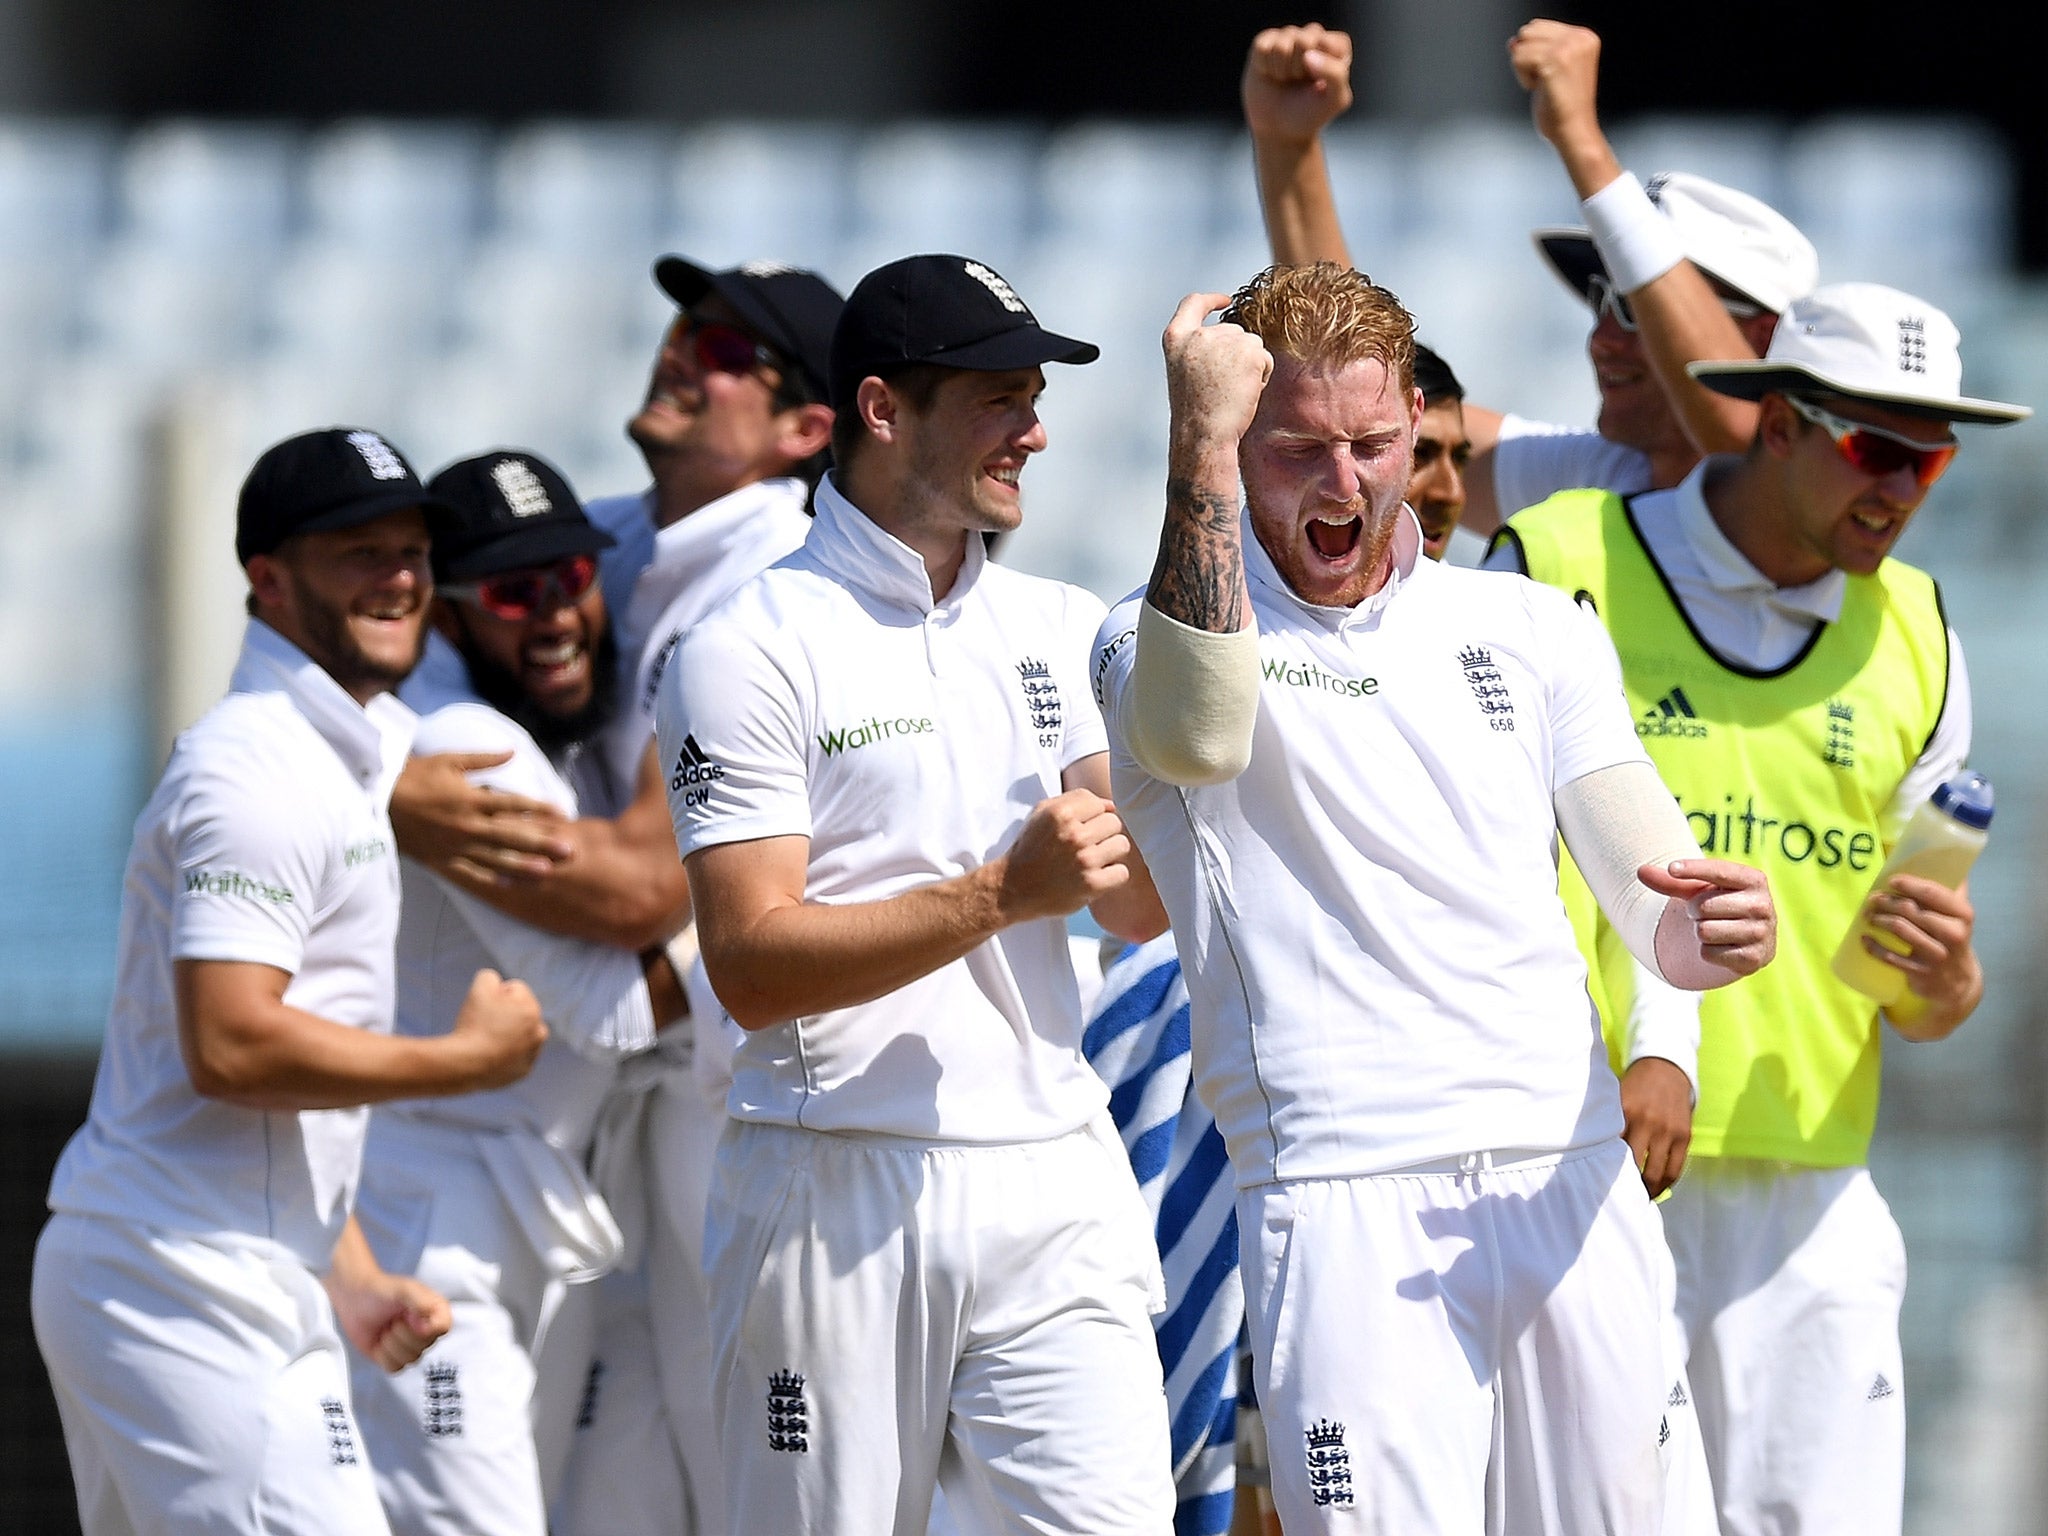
x=1071 y=850
x=1297 y=80
x=1214 y=373
x=500 y=1021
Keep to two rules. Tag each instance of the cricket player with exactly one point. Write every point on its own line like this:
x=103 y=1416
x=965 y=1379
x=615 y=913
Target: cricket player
x=486 y=1197
x=1349 y=768
x=928 y=1259
x=1801 y=693
x=201 y=1261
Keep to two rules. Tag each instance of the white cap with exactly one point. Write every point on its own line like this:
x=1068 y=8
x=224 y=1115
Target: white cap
x=1863 y=341
x=1741 y=240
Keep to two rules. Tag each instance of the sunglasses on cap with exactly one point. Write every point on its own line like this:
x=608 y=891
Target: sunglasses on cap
x=1607 y=299
x=518 y=595
x=723 y=348
x=1873 y=450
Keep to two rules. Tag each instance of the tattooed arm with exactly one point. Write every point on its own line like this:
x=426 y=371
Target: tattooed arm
x=1193 y=694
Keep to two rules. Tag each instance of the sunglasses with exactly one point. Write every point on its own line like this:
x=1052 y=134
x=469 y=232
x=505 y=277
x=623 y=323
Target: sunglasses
x=518 y=595
x=723 y=348
x=1873 y=450
x=1607 y=299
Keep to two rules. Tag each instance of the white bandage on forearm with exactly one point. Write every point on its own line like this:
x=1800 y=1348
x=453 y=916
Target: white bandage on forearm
x=1634 y=238
x=1616 y=820
x=1193 y=700
x=1664 y=1022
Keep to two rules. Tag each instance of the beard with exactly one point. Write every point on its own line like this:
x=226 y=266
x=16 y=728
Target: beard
x=328 y=641
x=553 y=733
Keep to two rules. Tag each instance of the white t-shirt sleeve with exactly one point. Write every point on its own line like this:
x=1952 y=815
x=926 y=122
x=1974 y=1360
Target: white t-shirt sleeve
x=1590 y=728
x=1081 y=718
x=1109 y=667
x=250 y=864
x=1946 y=751
x=1534 y=460
x=731 y=730
x=1664 y=1022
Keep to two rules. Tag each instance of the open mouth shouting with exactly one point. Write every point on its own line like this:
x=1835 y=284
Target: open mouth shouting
x=1335 y=536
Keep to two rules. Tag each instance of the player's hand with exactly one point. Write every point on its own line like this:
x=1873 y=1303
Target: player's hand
x=1656 y=1114
x=500 y=1024
x=392 y=1319
x=470 y=834
x=1559 y=66
x=1944 y=980
x=1071 y=850
x=1297 y=80
x=1719 y=921
x=1214 y=373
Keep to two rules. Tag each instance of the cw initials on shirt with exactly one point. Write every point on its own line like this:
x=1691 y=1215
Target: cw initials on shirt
x=853 y=738
x=232 y=882
x=1749 y=833
x=1306 y=674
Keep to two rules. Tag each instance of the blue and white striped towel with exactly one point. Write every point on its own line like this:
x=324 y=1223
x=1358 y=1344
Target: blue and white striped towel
x=1137 y=1040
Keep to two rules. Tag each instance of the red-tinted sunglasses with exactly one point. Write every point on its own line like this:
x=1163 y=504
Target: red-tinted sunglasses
x=722 y=348
x=518 y=595
x=1873 y=450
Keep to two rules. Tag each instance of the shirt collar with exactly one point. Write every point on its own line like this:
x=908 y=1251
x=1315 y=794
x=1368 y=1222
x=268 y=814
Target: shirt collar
x=1260 y=570
x=1727 y=569
x=857 y=549
x=372 y=741
x=692 y=544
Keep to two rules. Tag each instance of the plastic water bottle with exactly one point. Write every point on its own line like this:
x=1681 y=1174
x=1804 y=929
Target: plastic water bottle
x=1940 y=843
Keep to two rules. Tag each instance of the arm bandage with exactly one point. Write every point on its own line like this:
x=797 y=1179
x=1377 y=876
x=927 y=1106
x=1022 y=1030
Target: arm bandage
x=1192 y=700
x=1615 y=820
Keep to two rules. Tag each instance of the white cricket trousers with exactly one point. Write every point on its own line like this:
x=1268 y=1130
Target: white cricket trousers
x=1459 y=1352
x=1789 y=1286
x=202 y=1387
x=891 y=1315
x=643 y=1457
x=451 y=1435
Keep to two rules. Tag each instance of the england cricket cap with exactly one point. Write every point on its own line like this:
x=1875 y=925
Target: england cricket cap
x=1742 y=241
x=336 y=477
x=513 y=511
x=790 y=309
x=944 y=310
x=1863 y=341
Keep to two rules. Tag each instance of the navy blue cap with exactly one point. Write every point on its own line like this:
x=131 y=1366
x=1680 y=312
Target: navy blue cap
x=512 y=511
x=336 y=477
x=946 y=310
x=790 y=309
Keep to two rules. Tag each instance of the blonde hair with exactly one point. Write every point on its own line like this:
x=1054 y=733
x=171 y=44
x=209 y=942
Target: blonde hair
x=1328 y=315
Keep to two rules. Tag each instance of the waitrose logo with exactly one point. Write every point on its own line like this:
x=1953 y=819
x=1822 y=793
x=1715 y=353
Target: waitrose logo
x=853 y=738
x=1306 y=674
x=232 y=882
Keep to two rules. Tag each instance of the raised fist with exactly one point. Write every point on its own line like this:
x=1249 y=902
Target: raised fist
x=1214 y=373
x=1296 y=81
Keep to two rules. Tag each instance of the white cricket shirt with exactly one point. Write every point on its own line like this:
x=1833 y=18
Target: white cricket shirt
x=1534 y=460
x=593 y=996
x=1381 y=970
x=831 y=698
x=267 y=840
x=679 y=574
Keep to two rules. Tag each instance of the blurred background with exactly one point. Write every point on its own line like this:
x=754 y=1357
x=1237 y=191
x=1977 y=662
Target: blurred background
x=223 y=221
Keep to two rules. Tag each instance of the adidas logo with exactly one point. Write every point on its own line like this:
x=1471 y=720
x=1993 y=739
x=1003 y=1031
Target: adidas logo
x=693 y=774
x=1677 y=1399
x=1672 y=715
x=1880 y=1389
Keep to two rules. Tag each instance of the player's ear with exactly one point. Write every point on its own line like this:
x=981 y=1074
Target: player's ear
x=878 y=408
x=804 y=430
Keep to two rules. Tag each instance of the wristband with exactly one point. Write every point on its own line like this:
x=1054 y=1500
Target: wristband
x=1634 y=237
